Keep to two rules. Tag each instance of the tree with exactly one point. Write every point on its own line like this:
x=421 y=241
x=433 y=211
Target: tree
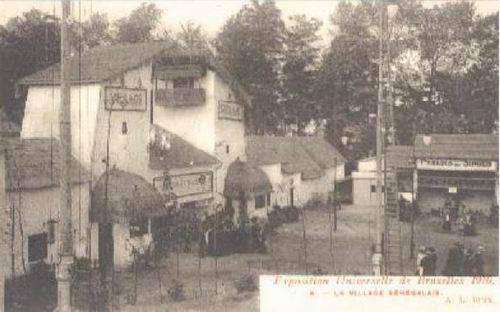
x=95 y=31
x=250 y=46
x=193 y=38
x=27 y=44
x=300 y=70
x=139 y=25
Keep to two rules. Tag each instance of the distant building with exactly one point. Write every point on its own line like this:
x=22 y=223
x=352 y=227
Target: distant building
x=463 y=167
x=460 y=167
x=299 y=168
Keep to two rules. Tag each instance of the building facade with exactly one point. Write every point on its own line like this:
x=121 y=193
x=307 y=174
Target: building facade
x=172 y=117
x=33 y=197
x=300 y=169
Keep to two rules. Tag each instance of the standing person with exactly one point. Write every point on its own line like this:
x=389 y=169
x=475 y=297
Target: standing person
x=468 y=262
x=432 y=261
x=478 y=262
x=447 y=220
x=420 y=257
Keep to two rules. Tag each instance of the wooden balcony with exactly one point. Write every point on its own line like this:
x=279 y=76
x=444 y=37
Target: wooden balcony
x=179 y=97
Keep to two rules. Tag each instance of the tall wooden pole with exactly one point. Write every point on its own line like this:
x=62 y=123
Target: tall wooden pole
x=377 y=257
x=66 y=235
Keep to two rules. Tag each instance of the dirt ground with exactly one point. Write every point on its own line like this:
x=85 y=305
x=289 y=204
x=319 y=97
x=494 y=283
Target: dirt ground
x=351 y=255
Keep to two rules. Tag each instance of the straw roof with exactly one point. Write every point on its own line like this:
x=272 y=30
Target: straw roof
x=457 y=146
x=181 y=153
x=309 y=156
x=245 y=179
x=129 y=198
x=36 y=163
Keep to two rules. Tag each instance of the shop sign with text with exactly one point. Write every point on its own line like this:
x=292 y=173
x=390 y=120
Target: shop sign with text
x=185 y=184
x=456 y=165
x=125 y=99
x=230 y=110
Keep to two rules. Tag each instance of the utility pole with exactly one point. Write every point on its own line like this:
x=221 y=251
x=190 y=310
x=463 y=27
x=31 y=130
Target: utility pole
x=377 y=260
x=66 y=232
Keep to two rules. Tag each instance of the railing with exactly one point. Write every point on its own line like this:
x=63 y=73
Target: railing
x=180 y=97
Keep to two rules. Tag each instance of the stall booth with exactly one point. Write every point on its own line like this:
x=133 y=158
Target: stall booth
x=461 y=168
x=121 y=210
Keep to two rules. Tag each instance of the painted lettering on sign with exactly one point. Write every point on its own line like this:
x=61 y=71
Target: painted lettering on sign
x=456 y=165
x=125 y=99
x=230 y=110
x=186 y=185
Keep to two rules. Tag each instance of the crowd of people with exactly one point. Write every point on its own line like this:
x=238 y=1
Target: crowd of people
x=464 y=261
x=461 y=261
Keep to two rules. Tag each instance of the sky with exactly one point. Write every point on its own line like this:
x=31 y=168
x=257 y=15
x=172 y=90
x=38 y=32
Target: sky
x=210 y=14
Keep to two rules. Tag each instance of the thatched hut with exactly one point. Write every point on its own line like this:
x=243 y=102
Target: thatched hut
x=247 y=190
x=122 y=206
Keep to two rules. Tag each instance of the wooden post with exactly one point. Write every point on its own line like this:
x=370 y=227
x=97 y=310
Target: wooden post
x=215 y=249
x=66 y=260
x=377 y=256
x=304 y=240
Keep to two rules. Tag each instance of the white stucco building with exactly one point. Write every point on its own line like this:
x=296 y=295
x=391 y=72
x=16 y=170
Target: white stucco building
x=149 y=110
x=299 y=168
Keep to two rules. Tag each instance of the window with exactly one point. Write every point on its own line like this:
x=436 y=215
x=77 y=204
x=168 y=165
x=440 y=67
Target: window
x=268 y=200
x=138 y=228
x=374 y=189
x=227 y=149
x=37 y=247
x=260 y=201
x=184 y=83
x=124 y=128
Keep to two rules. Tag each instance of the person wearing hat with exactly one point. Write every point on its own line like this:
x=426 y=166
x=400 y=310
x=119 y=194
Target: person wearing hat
x=478 y=262
x=454 y=262
x=432 y=260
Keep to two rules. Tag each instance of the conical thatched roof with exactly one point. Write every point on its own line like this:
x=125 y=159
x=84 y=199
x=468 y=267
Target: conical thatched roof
x=129 y=198
x=242 y=178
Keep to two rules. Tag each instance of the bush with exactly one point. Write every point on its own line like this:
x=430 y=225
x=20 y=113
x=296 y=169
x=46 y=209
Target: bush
x=246 y=284
x=176 y=291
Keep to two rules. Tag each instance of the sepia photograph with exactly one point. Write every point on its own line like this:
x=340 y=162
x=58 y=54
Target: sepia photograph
x=249 y=155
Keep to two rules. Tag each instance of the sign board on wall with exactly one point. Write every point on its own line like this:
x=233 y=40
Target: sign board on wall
x=125 y=99
x=456 y=165
x=230 y=110
x=186 y=184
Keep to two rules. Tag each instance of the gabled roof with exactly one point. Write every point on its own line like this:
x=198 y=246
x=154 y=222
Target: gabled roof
x=36 y=163
x=457 y=146
x=180 y=154
x=108 y=62
x=308 y=156
x=101 y=63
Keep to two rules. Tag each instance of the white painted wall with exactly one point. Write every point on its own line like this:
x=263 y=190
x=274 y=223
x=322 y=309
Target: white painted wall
x=129 y=151
x=36 y=207
x=41 y=116
x=195 y=124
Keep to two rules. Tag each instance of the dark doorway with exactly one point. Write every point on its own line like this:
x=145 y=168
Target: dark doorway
x=106 y=250
x=291 y=197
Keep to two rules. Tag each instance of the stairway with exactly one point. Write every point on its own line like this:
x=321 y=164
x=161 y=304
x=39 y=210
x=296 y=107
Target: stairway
x=392 y=235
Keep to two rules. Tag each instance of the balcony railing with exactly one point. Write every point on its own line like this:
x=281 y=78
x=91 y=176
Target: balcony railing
x=180 y=97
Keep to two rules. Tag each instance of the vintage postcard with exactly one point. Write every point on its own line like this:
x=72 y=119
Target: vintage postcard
x=249 y=155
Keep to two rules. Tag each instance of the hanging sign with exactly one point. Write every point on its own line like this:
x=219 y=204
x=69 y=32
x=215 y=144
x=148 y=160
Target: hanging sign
x=185 y=184
x=456 y=165
x=125 y=99
x=230 y=110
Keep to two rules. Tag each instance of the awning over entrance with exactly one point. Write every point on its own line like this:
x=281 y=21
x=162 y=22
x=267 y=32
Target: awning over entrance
x=121 y=197
x=244 y=179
